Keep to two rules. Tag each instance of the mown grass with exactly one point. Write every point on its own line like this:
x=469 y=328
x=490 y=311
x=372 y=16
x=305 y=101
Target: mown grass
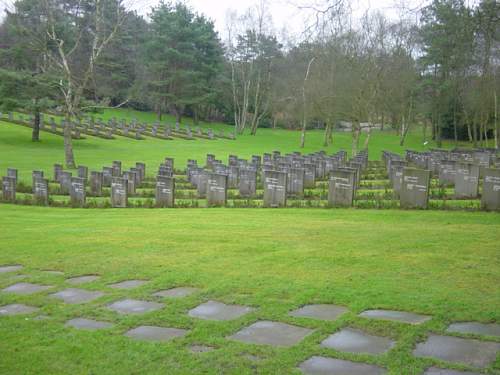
x=440 y=263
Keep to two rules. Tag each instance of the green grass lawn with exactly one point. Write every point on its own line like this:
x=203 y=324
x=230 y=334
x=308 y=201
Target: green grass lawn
x=17 y=150
x=445 y=264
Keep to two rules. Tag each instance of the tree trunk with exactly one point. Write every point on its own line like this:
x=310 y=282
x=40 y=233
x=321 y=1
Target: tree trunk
x=425 y=131
x=496 y=121
x=35 y=135
x=68 y=145
x=158 y=113
x=326 y=140
x=438 y=134
x=367 y=140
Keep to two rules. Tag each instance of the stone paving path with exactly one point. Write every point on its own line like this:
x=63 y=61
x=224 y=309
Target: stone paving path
x=457 y=348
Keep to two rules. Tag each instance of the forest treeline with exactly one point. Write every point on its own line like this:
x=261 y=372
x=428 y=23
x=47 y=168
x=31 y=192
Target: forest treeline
x=436 y=67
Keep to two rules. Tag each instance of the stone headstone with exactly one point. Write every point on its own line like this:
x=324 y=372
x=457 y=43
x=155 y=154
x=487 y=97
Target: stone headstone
x=35 y=175
x=58 y=168
x=396 y=174
x=119 y=197
x=466 y=180
x=309 y=176
x=201 y=183
x=141 y=167
x=169 y=162
x=165 y=191
x=11 y=172
x=248 y=182
x=41 y=191
x=96 y=183
x=217 y=189
x=117 y=168
x=233 y=176
x=447 y=172
x=107 y=176
x=131 y=182
x=275 y=184
x=9 y=189
x=65 y=182
x=210 y=161
x=342 y=187
x=83 y=172
x=490 y=199
x=415 y=188
x=77 y=192
x=295 y=182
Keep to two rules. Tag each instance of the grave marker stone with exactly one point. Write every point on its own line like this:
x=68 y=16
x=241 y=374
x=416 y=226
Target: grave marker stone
x=11 y=172
x=64 y=181
x=117 y=168
x=274 y=188
x=295 y=182
x=165 y=191
x=491 y=189
x=217 y=189
x=342 y=187
x=130 y=177
x=248 y=182
x=9 y=189
x=41 y=191
x=119 y=197
x=77 y=192
x=83 y=172
x=201 y=183
x=415 y=188
x=96 y=183
x=107 y=176
x=447 y=172
x=466 y=180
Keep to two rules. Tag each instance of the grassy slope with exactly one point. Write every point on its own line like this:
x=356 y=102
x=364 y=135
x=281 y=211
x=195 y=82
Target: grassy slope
x=439 y=263
x=17 y=150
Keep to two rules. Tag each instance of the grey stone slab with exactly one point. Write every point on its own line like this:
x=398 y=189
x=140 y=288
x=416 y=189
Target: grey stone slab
x=330 y=366
x=88 y=324
x=26 y=288
x=75 y=296
x=398 y=316
x=78 y=280
x=491 y=329
x=176 y=292
x=213 y=310
x=321 y=312
x=128 y=284
x=440 y=371
x=355 y=341
x=132 y=306
x=13 y=268
x=201 y=348
x=152 y=333
x=53 y=272
x=457 y=350
x=271 y=333
x=17 y=309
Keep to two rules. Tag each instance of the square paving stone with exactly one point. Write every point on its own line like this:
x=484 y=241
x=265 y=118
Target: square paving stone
x=271 y=333
x=213 y=310
x=88 y=324
x=74 y=296
x=330 y=366
x=128 y=284
x=475 y=328
x=398 y=316
x=26 y=288
x=176 y=292
x=78 y=280
x=321 y=312
x=13 y=268
x=151 y=333
x=17 y=309
x=440 y=371
x=132 y=306
x=355 y=341
x=457 y=350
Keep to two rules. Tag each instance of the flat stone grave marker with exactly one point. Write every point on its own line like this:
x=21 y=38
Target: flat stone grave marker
x=9 y=189
x=271 y=333
x=398 y=316
x=469 y=352
x=128 y=284
x=275 y=188
x=331 y=366
x=96 y=183
x=165 y=191
x=119 y=196
x=87 y=324
x=75 y=296
x=490 y=199
x=415 y=188
x=201 y=183
x=83 y=172
x=152 y=333
x=17 y=309
x=64 y=181
x=309 y=176
x=355 y=341
x=41 y=191
x=179 y=292
x=466 y=180
x=447 y=172
x=295 y=182
x=213 y=310
x=78 y=280
x=77 y=192
x=475 y=328
x=248 y=183
x=10 y=268
x=217 y=190
x=321 y=312
x=132 y=306
x=342 y=187
x=201 y=348
x=440 y=371
x=26 y=288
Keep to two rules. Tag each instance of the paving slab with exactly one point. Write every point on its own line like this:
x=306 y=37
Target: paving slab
x=179 y=292
x=78 y=280
x=152 y=333
x=469 y=352
x=330 y=366
x=75 y=296
x=440 y=371
x=17 y=309
x=321 y=312
x=398 y=316
x=132 y=306
x=213 y=310
x=128 y=284
x=26 y=288
x=201 y=348
x=355 y=341
x=88 y=324
x=10 y=268
x=490 y=329
x=271 y=333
